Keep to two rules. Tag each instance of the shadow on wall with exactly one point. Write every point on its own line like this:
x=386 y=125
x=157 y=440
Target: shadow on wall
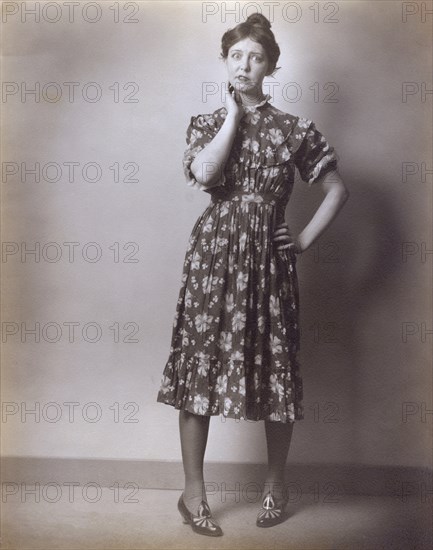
x=346 y=283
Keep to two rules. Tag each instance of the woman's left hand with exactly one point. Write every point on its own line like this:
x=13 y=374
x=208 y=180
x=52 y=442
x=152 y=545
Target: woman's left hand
x=284 y=240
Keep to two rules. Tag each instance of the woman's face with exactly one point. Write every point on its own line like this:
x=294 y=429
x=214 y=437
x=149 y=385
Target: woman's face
x=247 y=65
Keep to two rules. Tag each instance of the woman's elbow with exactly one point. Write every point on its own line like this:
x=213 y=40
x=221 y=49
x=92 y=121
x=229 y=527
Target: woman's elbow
x=344 y=194
x=206 y=173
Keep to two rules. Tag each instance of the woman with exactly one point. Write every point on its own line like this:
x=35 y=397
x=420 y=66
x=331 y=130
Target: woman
x=235 y=335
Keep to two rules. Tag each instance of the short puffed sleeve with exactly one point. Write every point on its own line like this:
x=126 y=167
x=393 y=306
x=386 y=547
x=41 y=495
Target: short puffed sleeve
x=314 y=156
x=201 y=130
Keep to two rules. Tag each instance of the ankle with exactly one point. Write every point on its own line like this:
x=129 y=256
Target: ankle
x=192 y=503
x=274 y=486
x=193 y=494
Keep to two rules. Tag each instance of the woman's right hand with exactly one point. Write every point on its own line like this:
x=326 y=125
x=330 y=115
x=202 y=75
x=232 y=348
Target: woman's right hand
x=233 y=104
x=283 y=239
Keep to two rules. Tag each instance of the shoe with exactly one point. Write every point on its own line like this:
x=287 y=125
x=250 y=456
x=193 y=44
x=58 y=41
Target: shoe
x=270 y=513
x=202 y=523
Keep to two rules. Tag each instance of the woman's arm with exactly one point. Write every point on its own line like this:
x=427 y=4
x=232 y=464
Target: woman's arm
x=336 y=195
x=208 y=165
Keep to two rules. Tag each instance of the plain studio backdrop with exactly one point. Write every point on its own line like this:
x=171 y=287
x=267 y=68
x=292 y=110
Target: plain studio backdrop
x=361 y=72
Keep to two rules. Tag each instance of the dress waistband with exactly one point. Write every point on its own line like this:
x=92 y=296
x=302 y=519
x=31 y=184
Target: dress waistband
x=239 y=195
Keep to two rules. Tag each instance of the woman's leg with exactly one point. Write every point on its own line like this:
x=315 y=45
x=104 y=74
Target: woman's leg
x=278 y=437
x=194 y=430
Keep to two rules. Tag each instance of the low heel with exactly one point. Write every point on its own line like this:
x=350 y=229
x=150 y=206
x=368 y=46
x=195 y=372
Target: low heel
x=182 y=515
x=202 y=523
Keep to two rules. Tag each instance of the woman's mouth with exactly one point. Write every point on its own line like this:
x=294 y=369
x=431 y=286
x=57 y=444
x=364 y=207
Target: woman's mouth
x=242 y=78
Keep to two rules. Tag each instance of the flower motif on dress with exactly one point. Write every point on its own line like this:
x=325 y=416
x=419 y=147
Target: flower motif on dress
x=195 y=135
x=242 y=241
x=188 y=298
x=303 y=122
x=231 y=263
x=201 y=404
x=224 y=210
x=253 y=117
x=221 y=385
x=269 y=118
x=165 y=384
x=175 y=317
x=231 y=368
x=276 y=136
x=238 y=321
x=248 y=184
x=274 y=306
x=225 y=341
x=185 y=339
x=221 y=242
x=241 y=281
x=207 y=227
x=255 y=222
x=227 y=405
x=202 y=322
x=275 y=344
x=203 y=363
x=275 y=386
x=230 y=302
x=284 y=289
x=208 y=283
x=261 y=323
x=242 y=385
x=196 y=259
x=273 y=171
x=269 y=152
x=188 y=379
x=285 y=154
x=204 y=120
x=251 y=144
x=237 y=356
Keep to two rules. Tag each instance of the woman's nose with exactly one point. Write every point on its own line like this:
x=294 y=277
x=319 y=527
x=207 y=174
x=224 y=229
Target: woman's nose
x=245 y=64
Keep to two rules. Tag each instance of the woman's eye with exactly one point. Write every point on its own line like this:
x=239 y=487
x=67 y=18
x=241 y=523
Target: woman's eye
x=256 y=58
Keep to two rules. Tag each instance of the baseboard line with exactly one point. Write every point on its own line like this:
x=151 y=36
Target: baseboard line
x=324 y=480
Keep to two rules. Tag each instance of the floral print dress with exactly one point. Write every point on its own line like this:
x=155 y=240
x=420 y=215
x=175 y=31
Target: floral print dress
x=235 y=333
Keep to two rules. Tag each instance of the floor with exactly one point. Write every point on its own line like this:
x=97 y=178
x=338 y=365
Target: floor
x=65 y=519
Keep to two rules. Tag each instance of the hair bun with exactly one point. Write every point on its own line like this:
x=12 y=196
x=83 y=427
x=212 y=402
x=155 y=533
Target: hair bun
x=258 y=19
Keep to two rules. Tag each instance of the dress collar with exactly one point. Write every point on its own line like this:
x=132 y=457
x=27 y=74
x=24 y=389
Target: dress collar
x=252 y=108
